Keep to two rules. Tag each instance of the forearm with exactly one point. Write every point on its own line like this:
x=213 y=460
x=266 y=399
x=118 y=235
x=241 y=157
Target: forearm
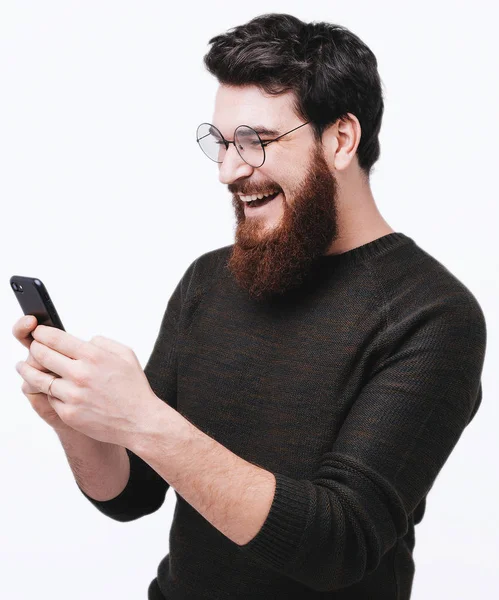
x=100 y=469
x=231 y=493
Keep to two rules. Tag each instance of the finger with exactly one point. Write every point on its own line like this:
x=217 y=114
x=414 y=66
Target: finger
x=52 y=360
x=22 y=329
x=31 y=360
x=41 y=381
x=26 y=388
x=61 y=341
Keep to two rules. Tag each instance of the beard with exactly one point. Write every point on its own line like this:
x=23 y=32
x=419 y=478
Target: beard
x=269 y=263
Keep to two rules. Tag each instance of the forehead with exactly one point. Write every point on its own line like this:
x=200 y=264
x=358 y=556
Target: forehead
x=248 y=105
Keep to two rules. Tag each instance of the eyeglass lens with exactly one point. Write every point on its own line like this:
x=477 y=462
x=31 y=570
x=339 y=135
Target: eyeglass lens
x=246 y=141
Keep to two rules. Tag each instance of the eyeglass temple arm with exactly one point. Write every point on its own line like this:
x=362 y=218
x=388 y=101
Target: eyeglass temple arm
x=278 y=138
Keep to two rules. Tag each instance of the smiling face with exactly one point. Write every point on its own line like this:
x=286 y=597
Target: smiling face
x=277 y=243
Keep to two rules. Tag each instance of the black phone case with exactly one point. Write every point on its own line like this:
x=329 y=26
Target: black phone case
x=35 y=300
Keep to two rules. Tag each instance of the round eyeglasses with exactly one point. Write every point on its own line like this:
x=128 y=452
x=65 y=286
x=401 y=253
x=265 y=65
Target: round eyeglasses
x=246 y=141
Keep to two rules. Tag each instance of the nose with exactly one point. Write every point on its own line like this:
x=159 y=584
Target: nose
x=233 y=167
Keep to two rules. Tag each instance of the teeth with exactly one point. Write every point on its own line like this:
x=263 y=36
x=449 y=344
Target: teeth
x=256 y=196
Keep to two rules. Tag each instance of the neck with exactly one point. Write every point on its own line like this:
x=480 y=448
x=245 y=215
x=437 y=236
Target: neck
x=359 y=220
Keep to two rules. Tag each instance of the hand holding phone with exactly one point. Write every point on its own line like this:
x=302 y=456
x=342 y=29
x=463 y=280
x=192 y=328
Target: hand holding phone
x=33 y=298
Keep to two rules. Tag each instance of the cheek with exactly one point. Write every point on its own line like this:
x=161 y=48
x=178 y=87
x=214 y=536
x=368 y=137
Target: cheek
x=282 y=178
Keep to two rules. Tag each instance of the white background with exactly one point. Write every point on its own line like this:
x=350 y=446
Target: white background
x=106 y=197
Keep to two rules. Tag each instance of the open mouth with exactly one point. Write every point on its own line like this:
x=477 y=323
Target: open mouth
x=258 y=202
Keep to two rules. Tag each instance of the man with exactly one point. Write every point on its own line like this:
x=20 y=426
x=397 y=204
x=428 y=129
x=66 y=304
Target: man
x=319 y=371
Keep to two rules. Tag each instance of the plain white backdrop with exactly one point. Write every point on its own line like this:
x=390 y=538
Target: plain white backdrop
x=107 y=198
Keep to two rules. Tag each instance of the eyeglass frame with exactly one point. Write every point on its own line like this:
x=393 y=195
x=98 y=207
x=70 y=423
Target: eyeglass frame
x=227 y=142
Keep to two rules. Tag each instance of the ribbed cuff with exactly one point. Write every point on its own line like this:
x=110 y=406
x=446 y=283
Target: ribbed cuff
x=278 y=541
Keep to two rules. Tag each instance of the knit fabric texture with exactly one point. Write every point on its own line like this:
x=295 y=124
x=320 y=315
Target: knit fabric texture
x=352 y=389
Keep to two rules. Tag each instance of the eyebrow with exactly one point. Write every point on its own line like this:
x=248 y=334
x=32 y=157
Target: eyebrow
x=260 y=129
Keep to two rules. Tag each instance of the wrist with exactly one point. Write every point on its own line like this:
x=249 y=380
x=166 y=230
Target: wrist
x=68 y=434
x=165 y=428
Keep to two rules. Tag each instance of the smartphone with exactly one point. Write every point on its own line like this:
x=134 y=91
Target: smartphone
x=35 y=300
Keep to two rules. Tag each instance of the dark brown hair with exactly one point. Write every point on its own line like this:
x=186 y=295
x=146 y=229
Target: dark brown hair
x=330 y=70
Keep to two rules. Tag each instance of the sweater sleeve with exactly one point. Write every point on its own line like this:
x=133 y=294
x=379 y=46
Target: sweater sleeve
x=330 y=530
x=145 y=490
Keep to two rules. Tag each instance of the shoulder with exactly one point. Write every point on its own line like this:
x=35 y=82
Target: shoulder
x=214 y=259
x=412 y=279
x=203 y=272
x=209 y=265
x=428 y=309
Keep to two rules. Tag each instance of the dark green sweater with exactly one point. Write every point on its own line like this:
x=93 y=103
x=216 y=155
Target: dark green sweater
x=352 y=389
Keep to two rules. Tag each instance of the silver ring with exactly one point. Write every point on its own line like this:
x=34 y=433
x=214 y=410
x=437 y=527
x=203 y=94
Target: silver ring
x=50 y=385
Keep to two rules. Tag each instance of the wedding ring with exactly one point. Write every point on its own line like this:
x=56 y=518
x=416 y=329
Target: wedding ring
x=50 y=385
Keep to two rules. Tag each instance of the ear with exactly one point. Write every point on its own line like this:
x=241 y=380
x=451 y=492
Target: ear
x=345 y=139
